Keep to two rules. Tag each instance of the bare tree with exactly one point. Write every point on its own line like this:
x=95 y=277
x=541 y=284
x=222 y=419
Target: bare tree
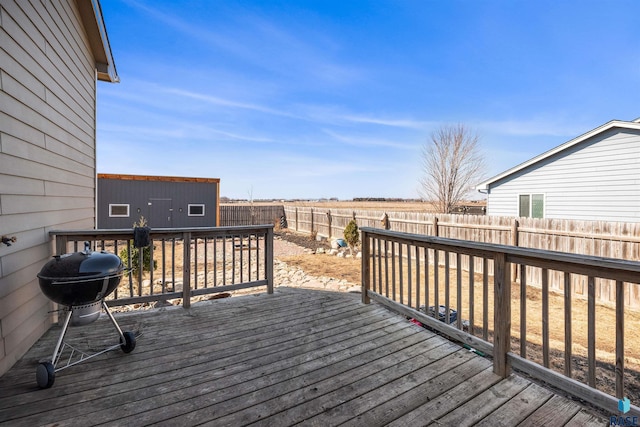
x=452 y=164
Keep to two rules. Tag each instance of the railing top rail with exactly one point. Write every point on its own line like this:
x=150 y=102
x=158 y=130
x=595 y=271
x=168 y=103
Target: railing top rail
x=169 y=231
x=607 y=268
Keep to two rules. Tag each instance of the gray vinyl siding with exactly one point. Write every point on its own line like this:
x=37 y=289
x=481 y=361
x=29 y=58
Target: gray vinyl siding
x=153 y=199
x=47 y=154
x=598 y=179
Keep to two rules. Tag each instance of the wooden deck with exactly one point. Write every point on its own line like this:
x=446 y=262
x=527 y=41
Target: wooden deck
x=297 y=356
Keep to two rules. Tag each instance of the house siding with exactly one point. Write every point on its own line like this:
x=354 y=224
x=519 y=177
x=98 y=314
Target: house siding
x=597 y=179
x=47 y=154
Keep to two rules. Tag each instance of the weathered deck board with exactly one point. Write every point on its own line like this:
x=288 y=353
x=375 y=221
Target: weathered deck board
x=400 y=404
x=298 y=356
x=517 y=409
x=471 y=412
x=556 y=410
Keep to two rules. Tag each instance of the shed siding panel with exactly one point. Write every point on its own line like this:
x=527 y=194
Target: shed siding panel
x=47 y=154
x=595 y=180
x=146 y=197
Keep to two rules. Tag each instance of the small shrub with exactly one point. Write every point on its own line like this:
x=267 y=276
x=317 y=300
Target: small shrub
x=351 y=234
x=135 y=258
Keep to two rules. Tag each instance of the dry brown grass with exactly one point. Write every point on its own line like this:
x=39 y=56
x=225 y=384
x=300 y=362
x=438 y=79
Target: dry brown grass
x=390 y=206
x=382 y=206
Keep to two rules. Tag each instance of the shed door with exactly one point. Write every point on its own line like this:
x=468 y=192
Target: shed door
x=160 y=213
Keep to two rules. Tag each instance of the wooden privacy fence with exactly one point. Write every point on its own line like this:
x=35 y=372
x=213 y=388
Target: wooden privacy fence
x=238 y=215
x=592 y=238
x=532 y=330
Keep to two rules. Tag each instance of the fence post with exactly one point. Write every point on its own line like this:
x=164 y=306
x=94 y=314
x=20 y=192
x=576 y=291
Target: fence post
x=385 y=221
x=186 y=269
x=435 y=226
x=296 y=218
x=365 y=268
x=501 y=315
x=311 y=231
x=329 y=219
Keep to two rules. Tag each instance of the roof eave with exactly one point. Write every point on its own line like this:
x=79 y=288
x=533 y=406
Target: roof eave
x=605 y=127
x=93 y=21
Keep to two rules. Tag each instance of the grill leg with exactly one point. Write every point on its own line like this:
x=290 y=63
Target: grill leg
x=113 y=320
x=54 y=358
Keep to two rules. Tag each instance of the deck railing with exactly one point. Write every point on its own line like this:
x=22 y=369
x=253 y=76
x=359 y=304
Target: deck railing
x=551 y=336
x=181 y=263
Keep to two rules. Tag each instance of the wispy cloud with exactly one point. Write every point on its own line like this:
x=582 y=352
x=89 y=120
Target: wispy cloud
x=401 y=123
x=532 y=127
x=339 y=115
x=184 y=26
x=365 y=141
x=229 y=103
x=180 y=130
x=315 y=166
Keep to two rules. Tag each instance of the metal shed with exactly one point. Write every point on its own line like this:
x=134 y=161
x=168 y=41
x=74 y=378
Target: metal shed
x=164 y=201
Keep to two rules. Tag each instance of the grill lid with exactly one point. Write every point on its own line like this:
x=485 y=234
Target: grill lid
x=81 y=265
x=80 y=277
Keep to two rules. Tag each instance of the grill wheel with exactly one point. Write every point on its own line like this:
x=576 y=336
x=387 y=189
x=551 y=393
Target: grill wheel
x=45 y=375
x=129 y=342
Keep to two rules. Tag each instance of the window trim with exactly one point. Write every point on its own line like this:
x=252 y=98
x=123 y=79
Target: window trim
x=112 y=205
x=194 y=205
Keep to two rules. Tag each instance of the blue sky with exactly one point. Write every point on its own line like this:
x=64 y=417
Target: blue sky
x=313 y=99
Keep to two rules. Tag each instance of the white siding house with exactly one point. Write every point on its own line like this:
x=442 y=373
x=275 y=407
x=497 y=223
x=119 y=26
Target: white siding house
x=595 y=176
x=51 y=54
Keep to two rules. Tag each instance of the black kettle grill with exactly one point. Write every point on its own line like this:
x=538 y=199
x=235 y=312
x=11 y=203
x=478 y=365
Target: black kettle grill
x=79 y=282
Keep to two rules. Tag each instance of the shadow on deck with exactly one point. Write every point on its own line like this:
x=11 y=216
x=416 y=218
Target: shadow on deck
x=297 y=356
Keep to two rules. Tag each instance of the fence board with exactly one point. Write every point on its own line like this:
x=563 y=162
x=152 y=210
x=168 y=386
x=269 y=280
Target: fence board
x=238 y=215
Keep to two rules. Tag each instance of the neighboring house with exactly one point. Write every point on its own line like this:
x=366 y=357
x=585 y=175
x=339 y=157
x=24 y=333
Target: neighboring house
x=164 y=201
x=51 y=53
x=595 y=176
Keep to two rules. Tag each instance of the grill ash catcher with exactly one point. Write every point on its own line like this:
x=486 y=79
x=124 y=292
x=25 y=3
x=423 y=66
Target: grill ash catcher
x=79 y=282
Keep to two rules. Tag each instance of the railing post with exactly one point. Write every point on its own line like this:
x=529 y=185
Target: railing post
x=186 y=269
x=366 y=276
x=514 y=242
x=141 y=269
x=268 y=259
x=501 y=315
x=619 y=370
x=61 y=244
